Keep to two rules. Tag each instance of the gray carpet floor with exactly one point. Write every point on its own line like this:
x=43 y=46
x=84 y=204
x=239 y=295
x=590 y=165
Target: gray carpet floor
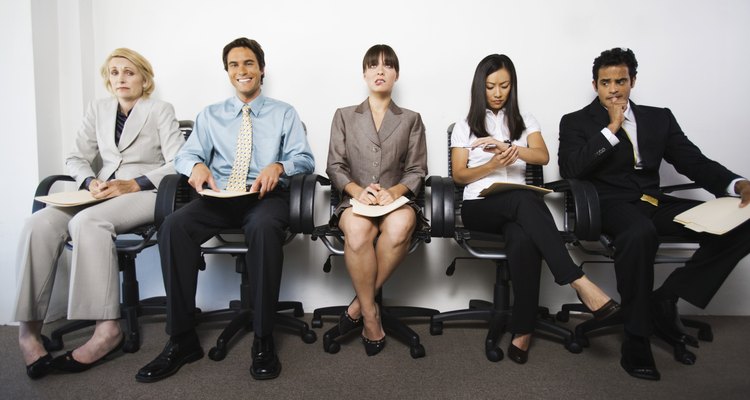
x=455 y=368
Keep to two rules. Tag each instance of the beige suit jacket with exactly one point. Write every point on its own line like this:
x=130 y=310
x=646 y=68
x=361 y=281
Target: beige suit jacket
x=358 y=153
x=148 y=143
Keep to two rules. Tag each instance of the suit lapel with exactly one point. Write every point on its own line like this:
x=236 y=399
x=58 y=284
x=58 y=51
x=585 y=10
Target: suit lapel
x=599 y=113
x=365 y=124
x=134 y=123
x=109 y=119
x=391 y=121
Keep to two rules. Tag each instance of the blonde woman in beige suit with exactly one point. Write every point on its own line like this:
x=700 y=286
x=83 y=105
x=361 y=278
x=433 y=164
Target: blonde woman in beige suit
x=136 y=139
x=377 y=153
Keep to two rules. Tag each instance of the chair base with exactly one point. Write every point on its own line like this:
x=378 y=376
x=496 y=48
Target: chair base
x=680 y=352
x=498 y=319
x=242 y=318
x=389 y=317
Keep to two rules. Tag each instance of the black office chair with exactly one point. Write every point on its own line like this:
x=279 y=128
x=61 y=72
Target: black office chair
x=128 y=245
x=583 y=226
x=446 y=200
x=333 y=239
x=174 y=192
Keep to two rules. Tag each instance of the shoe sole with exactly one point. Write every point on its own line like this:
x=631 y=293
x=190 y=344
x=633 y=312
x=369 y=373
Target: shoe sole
x=189 y=359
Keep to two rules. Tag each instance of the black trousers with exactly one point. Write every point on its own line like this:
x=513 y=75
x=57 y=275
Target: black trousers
x=530 y=235
x=264 y=223
x=636 y=226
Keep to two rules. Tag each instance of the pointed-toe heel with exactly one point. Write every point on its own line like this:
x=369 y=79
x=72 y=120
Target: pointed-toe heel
x=348 y=324
x=40 y=367
x=373 y=347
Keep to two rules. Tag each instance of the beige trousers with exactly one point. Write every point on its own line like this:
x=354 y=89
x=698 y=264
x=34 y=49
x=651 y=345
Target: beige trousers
x=94 y=291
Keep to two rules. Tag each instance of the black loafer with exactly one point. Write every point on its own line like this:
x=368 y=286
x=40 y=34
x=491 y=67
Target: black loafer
x=169 y=361
x=608 y=310
x=66 y=362
x=266 y=364
x=40 y=367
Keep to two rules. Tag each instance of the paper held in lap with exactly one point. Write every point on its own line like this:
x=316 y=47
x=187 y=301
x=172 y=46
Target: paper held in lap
x=717 y=216
x=376 y=210
x=499 y=187
x=69 y=199
x=226 y=194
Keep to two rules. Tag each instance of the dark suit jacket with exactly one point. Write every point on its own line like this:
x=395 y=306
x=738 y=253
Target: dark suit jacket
x=358 y=153
x=586 y=154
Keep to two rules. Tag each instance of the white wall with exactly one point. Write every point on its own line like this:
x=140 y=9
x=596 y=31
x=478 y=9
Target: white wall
x=693 y=59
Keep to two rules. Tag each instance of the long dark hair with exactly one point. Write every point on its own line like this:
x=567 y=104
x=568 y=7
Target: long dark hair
x=478 y=108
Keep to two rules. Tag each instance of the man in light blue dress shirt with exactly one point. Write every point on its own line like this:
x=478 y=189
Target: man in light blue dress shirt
x=279 y=150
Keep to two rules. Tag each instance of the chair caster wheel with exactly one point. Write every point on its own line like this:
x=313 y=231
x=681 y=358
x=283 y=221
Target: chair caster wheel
x=131 y=346
x=316 y=323
x=683 y=355
x=417 y=351
x=217 y=354
x=52 y=344
x=495 y=354
x=573 y=347
x=309 y=337
x=582 y=340
x=436 y=328
x=562 y=316
x=332 y=347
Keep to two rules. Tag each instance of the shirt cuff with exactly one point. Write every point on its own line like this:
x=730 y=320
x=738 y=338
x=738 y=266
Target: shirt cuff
x=611 y=138
x=730 y=188
x=86 y=183
x=144 y=183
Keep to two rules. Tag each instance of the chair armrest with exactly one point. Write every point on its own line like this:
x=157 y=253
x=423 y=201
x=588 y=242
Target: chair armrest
x=442 y=205
x=44 y=187
x=677 y=188
x=581 y=211
x=170 y=190
x=302 y=202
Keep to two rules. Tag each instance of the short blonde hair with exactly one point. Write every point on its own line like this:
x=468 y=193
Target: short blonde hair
x=140 y=62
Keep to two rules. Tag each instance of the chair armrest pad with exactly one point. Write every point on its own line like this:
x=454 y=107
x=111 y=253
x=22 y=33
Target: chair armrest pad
x=44 y=187
x=581 y=207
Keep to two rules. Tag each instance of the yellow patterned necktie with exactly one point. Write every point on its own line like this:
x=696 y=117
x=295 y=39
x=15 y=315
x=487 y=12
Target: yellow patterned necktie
x=238 y=178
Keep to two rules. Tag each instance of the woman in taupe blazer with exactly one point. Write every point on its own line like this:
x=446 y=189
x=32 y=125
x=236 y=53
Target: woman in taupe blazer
x=377 y=154
x=135 y=138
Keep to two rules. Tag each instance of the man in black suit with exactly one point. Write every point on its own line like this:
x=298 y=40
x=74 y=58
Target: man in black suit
x=618 y=146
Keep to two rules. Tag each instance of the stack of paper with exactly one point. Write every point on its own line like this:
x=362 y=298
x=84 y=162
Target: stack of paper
x=376 y=210
x=717 y=216
x=68 y=199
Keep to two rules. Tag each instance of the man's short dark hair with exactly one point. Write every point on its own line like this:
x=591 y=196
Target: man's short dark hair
x=250 y=44
x=616 y=56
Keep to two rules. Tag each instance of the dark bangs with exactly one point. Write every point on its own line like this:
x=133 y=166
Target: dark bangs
x=372 y=57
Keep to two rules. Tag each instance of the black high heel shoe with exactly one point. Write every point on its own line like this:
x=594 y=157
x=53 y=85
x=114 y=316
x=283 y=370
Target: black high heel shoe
x=373 y=347
x=66 y=362
x=348 y=324
x=40 y=367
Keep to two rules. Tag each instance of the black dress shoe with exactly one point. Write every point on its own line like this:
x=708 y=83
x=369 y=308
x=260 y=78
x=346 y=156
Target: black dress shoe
x=40 y=367
x=168 y=362
x=637 y=359
x=373 y=347
x=667 y=323
x=516 y=354
x=66 y=362
x=266 y=364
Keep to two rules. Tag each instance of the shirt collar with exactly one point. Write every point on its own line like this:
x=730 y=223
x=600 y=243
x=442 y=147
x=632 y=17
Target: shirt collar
x=255 y=105
x=491 y=114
